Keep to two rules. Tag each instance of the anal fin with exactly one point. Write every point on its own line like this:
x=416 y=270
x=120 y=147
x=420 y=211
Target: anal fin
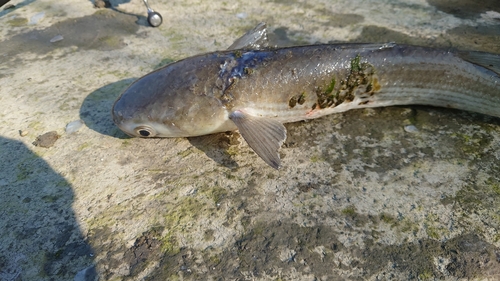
x=265 y=136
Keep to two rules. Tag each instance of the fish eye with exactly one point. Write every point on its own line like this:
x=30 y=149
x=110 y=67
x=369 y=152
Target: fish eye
x=145 y=131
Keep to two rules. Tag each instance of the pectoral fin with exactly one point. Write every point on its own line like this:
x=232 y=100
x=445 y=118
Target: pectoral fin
x=254 y=39
x=265 y=136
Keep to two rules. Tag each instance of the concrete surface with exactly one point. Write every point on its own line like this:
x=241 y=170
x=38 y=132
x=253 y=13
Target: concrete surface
x=358 y=197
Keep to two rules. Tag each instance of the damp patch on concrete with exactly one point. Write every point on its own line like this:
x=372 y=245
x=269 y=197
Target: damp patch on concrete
x=478 y=38
x=104 y=30
x=465 y=8
x=358 y=196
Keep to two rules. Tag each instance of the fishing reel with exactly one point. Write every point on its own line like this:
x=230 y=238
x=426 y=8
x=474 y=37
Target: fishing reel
x=154 y=18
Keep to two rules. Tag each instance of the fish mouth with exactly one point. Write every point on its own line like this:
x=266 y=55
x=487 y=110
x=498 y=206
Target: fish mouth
x=130 y=127
x=129 y=134
x=117 y=116
x=125 y=128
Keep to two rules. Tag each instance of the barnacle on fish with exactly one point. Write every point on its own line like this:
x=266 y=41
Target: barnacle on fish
x=292 y=102
x=360 y=82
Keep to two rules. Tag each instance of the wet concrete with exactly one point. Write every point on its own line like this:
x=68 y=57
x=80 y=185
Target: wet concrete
x=358 y=197
x=102 y=31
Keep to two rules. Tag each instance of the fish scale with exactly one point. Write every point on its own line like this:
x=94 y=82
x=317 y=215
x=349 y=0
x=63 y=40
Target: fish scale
x=255 y=89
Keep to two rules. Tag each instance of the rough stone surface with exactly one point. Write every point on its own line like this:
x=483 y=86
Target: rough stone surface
x=358 y=196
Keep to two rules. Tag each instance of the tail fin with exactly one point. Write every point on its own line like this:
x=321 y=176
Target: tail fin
x=486 y=60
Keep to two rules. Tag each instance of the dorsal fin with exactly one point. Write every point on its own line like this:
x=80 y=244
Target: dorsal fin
x=254 y=39
x=486 y=60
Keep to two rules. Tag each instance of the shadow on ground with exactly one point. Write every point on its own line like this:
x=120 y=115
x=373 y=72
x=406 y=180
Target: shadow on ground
x=218 y=147
x=40 y=238
x=96 y=108
x=96 y=113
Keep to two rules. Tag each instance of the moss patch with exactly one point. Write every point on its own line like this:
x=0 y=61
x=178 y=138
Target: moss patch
x=17 y=21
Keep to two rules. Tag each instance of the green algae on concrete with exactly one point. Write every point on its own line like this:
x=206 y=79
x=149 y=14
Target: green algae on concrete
x=357 y=198
x=18 y=21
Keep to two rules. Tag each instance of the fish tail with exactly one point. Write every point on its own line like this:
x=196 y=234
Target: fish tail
x=483 y=60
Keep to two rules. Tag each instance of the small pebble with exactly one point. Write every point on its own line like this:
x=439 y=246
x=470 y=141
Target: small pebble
x=241 y=15
x=56 y=38
x=74 y=126
x=411 y=129
x=86 y=274
x=23 y=133
x=37 y=17
x=101 y=4
x=46 y=140
x=491 y=15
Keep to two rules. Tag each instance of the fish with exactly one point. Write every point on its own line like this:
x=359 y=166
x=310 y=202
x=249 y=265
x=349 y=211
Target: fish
x=254 y=88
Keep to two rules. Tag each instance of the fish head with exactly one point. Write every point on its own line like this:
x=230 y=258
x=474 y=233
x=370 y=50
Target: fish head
x=175 y=101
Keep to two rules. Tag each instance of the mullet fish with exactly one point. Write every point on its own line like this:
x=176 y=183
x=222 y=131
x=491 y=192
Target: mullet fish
x=255 y=89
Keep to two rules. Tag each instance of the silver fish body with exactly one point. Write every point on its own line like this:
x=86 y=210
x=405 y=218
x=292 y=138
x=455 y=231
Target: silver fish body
x=255 y=91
